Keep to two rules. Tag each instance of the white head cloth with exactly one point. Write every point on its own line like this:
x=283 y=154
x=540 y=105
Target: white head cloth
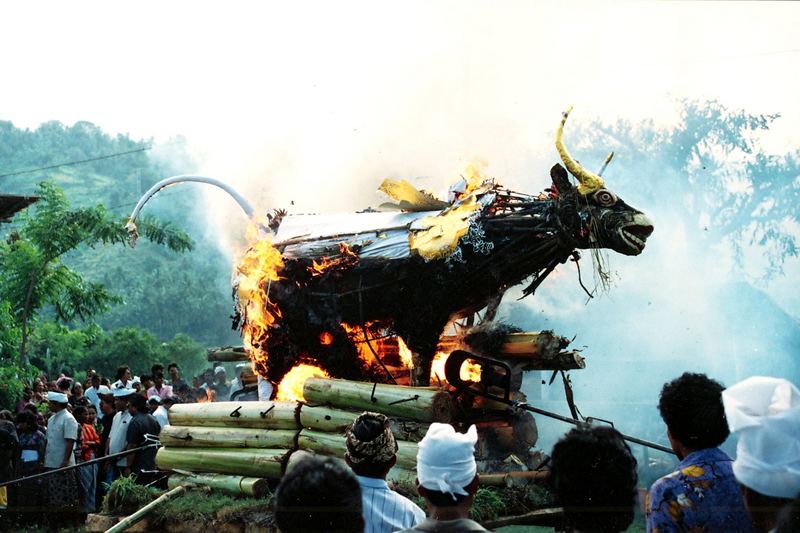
x=58 y=397
x=765 y=414
x=219 y=370
x=155 y=397
x=446 y=459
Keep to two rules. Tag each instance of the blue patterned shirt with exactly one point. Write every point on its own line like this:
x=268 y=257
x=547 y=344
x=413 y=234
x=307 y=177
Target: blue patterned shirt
x=701 y=495
x=384 y=510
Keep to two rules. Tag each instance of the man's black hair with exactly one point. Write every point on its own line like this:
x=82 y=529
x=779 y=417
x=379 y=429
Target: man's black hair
x=692 y=409
x=594 y=478
x=319 y=494
x=366 y=430
x=173 y=365
x=139 y=402
x=158 y=367
x=121 y=371
x=79 y=410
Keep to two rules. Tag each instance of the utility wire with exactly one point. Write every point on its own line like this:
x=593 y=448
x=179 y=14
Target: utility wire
x=70 y=163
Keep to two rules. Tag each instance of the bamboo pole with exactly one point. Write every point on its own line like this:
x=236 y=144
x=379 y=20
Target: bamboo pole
x=266 y=463
x=333 y=444
x=228 y=354
x=127 y=522
x=560 y=361
x=544 y=517
x=259 y=415
x=322 y=418
x=214 y=437
x=424 y=404
x=233 y=485
x=403 y=477
x=513 y=479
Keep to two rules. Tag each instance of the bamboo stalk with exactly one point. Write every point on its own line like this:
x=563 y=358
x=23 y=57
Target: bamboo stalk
x=424 y=404
x=266 y=463
x=127 y=522
x=322 y=418
x=560 y=361
x=214 y=437
x=544 y=344
x=512 y=479
x=545 y=517
x=333 y=444
x=228 y=354
x=233 y=485
x=259 y=415
x=403 y=476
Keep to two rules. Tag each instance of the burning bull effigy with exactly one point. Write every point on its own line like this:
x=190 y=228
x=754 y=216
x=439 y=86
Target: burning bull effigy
x=365 y=298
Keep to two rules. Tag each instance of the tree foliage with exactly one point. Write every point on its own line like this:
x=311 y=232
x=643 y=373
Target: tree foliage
x=35 y=275
x=712 y=164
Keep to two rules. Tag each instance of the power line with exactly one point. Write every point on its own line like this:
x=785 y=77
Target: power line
x=70 y=163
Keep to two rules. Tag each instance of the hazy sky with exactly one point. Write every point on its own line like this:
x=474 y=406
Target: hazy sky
x=315 y=102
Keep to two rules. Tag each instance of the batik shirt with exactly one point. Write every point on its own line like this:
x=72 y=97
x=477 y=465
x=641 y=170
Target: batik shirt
x=701 y=495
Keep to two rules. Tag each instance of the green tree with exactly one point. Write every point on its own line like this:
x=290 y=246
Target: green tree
x=189 y=355
x=710 y=164
x=35 y=274
x=125 y=346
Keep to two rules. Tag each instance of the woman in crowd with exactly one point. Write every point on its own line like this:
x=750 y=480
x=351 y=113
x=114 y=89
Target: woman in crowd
x=30 y=461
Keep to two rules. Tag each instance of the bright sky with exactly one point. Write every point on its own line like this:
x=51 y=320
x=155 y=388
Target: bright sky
x=287 y=99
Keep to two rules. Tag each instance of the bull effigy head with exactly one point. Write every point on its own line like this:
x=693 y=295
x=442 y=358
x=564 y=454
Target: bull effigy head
x=604 y=219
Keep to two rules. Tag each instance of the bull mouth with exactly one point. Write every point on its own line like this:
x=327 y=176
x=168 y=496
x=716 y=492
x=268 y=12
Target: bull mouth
x=634 y=236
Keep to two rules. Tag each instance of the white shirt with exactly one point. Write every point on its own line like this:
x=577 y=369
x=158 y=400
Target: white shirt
x=384 y=510
x=91 y=393
x=264 y=389
x=161 y=415
x=236 y=386
x=120 y=385
x=118 y=436
x=60 y=427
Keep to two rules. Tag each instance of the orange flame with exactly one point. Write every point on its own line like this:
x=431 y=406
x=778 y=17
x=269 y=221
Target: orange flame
x=346 y=259
x=291 y=386
x=405 y=353
x=325 y=338
x=259 y=266
x=356 y=335
x=469 y=371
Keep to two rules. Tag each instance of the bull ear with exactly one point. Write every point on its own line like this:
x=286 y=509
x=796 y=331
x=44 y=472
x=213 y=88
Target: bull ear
x=560 y=179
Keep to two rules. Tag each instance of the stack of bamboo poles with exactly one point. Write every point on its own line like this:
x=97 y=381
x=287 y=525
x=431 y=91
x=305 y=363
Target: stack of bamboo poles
x=235 y=446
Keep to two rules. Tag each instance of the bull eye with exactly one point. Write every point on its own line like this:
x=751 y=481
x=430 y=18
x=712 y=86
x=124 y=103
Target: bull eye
x=605 y=198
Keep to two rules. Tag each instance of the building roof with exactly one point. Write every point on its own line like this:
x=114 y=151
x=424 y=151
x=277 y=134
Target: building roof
x=11 y=204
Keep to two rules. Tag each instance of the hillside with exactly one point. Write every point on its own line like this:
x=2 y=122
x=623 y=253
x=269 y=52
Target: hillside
x=152 y=280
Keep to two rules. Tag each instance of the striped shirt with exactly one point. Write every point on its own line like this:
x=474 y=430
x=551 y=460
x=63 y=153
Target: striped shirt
x=384 y=510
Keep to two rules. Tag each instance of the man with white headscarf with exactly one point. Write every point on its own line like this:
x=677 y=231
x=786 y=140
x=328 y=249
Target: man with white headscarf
x=63 y=431
x=764 y=413
x=447 y=477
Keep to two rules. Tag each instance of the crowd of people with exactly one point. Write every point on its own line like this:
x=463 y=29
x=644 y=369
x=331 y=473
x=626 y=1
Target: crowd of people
x=592 y=470
x=65 y=422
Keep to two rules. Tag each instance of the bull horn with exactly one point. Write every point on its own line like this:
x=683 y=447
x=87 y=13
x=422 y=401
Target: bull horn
x=589 y=182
